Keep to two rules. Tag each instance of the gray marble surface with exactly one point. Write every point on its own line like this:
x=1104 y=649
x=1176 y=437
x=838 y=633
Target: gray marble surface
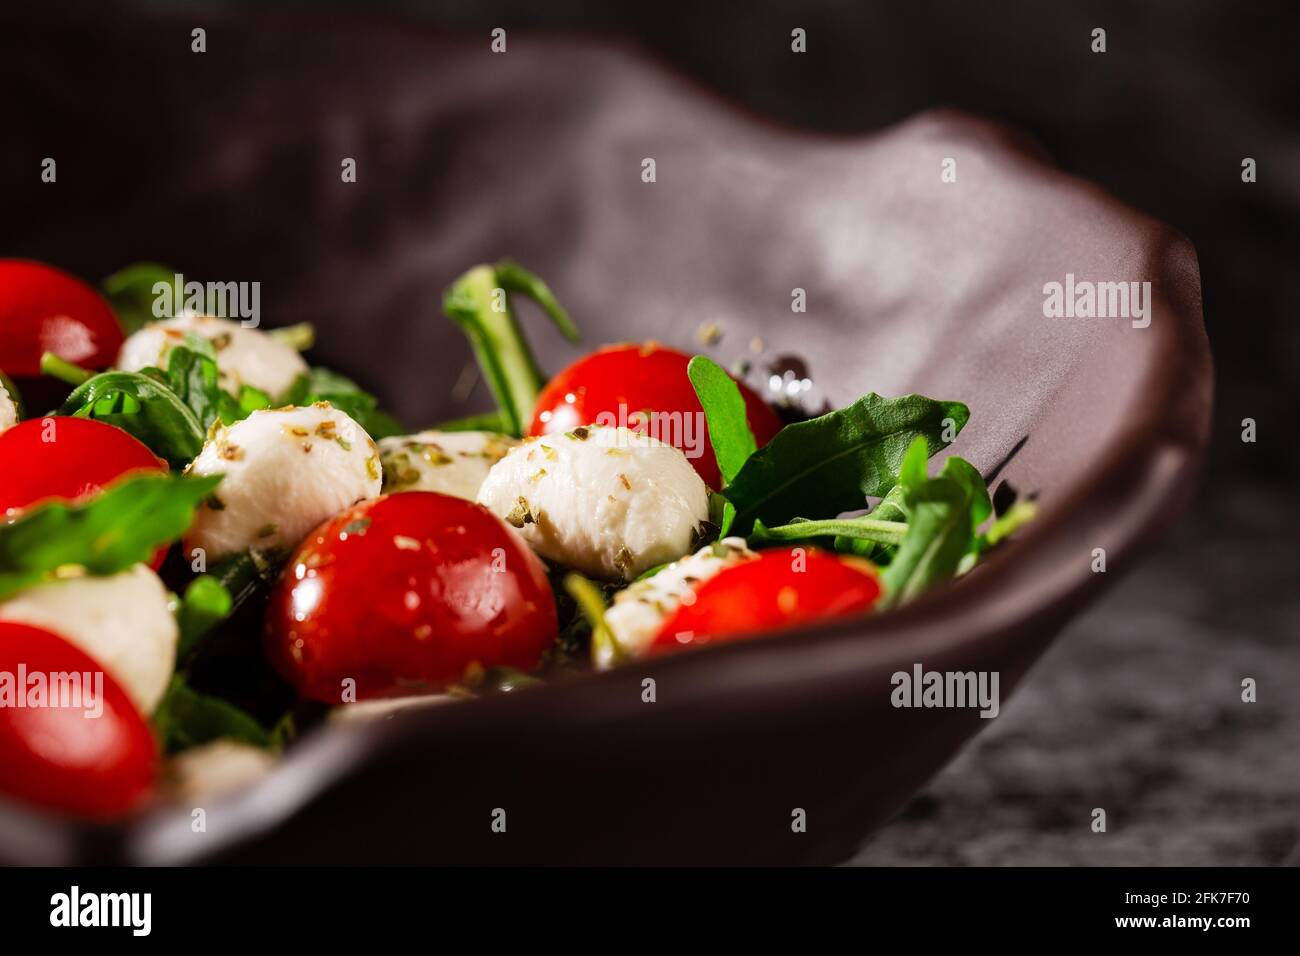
x=1137 y=709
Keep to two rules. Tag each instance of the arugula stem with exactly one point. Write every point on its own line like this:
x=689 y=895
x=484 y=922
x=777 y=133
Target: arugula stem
x=479 y=304
x=865 y=529
x=64 y=370
x=1017 y=516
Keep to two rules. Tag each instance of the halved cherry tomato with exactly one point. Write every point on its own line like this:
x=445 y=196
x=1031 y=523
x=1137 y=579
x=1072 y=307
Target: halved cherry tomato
x=627 y=380
x=92 y=755
x=43 y=309
x=781 y=587
x=404 y=592
x=68 y=459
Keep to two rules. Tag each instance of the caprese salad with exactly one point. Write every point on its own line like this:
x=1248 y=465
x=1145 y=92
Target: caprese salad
x=209 y=545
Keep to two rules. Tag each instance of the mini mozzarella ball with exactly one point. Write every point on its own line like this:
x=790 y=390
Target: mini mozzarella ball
x=287 y=470
x=8 y=409
x=453 y=463
x=609 y=502
x=245 y=356
x=124 y=621
x=639 y=610
x=217 y=768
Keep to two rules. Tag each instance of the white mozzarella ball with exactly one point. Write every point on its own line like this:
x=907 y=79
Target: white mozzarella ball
x=245 y=356
x=8 y=409
x=452 y=463
x=640 y=609
x=608 y=502
x=287 y=470
x=123 y=621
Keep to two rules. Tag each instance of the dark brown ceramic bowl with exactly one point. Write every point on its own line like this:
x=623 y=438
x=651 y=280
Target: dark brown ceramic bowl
x=913 y=284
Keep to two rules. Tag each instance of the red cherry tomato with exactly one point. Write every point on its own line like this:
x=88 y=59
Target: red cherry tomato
x=402 y=593
x=779 y=588
x=91 y=755
x=69 y=459
x=43 y=309
x=633 y=379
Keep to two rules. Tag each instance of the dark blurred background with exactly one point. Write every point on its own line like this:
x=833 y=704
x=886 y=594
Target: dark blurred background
x=1134 y=708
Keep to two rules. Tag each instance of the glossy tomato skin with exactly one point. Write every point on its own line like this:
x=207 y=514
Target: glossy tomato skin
x=43 y=309
x=65 y=458
x=59 y=757
x=68 y=459
x=782 y=587
x=404 y=592
x=637 y=378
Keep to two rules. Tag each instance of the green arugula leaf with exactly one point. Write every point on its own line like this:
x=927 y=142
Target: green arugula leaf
x=185 y=718
x=205 y=604
x=912 y=473
x=237 y=409
x=891 y=507
x=885 y=528
x=830 y=465
x=323 y=385
x=487 y=318
x=144 y=406
x=193 y=375
x=130 y=292
x=939 y=533
x=967 y=476
x=116 y=529
x=726 y=417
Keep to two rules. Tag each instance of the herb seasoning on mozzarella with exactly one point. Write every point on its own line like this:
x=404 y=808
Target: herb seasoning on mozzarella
x=605 y=500
x=245 y=356
x=286 y=470
x=453 y=463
